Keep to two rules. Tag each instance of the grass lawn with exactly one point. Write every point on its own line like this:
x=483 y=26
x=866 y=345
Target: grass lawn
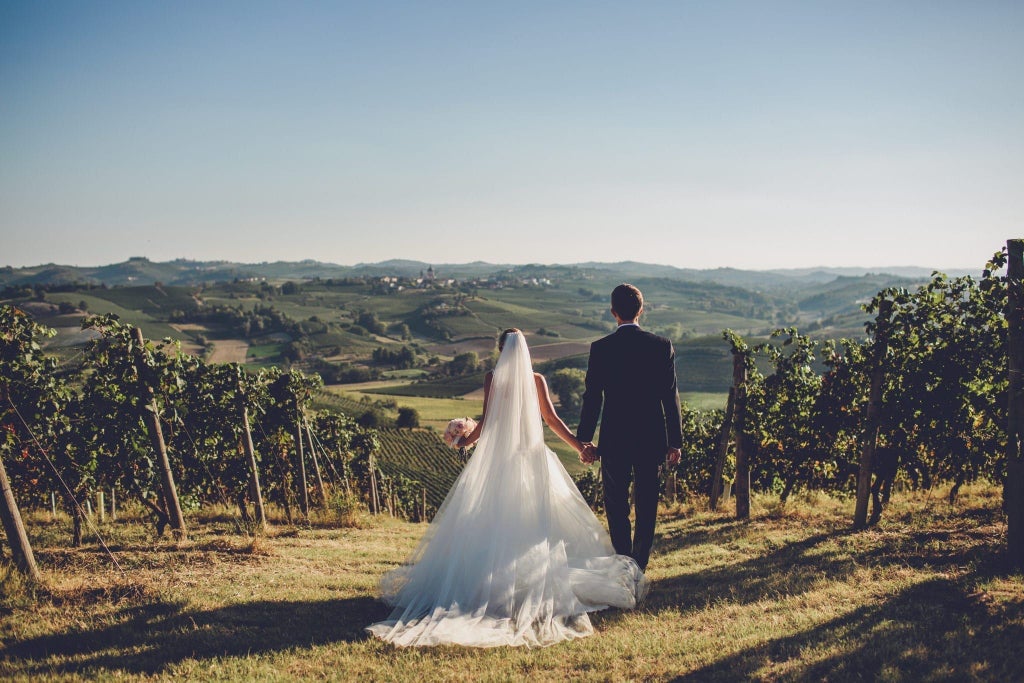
x=791 y=594
x=151 y=327
x=262 y=351
x=434 y=412
x=704 y=400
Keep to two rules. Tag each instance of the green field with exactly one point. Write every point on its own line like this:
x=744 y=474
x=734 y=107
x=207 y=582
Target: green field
x=442 y=388
x=152 y=328
x=260 y=351
x=704 y=400
x=433 y=412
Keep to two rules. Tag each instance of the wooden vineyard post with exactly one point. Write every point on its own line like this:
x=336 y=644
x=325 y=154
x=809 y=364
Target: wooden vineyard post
x=725 y=434
x=101 y=506
x=423 y=517
x=53 y=505
x=282 y=462
x=374 y=499
x=254 y=474
x=21 y=549
x=1013 y=489
x=742 y=487
x=303 y=486
x=867 y=455
x=151 y=415
x=316 y=467
x=113 y=505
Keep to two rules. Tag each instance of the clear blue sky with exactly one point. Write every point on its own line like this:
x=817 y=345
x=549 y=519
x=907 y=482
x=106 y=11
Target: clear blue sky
x=754 y=134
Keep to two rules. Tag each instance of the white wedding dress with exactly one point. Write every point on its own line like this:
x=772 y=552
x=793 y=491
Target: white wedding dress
x=514 y=555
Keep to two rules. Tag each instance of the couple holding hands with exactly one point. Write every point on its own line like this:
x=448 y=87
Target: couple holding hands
x=514 y=555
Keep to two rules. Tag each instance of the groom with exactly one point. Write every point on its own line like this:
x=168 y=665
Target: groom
x=632 y=373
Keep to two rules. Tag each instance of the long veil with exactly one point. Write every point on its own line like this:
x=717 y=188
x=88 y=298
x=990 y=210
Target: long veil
x=513 y=417
x=514 y=555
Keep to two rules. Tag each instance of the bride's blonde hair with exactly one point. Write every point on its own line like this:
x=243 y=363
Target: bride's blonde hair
x=504 y=336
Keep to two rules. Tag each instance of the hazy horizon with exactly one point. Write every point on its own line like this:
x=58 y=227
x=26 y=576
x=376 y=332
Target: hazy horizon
x=729 y=134
x=812 y=267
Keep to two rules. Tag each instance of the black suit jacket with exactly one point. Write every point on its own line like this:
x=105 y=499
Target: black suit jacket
x=632 y=375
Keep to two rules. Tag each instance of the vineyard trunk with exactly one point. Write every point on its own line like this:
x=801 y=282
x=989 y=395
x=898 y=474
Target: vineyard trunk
x=162 y=520
x=77 y=518
x=282 y=463
x=21 y=550
x=860 y=516
x=243 y=508
x=723 y=438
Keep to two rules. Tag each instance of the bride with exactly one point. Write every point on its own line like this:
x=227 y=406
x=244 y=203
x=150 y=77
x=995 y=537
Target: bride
x=514 y=555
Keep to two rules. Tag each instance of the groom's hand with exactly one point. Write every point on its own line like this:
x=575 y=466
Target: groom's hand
x=672 y=456
x=589 y=454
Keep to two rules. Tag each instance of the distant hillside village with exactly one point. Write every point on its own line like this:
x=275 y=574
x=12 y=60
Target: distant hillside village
x=429 y=279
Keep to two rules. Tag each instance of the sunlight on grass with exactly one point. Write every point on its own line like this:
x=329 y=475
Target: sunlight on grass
x=791 y=593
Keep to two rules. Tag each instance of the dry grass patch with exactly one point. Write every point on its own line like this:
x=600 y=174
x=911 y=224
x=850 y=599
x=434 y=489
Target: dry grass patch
x=792 y=594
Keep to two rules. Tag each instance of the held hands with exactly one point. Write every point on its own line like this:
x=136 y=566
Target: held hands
x=588 y=454
x=672 y=456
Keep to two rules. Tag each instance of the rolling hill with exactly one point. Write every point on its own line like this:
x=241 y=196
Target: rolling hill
x=332 y=319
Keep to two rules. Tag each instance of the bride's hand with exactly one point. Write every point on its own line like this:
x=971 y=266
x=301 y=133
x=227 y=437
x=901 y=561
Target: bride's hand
x=588 y=453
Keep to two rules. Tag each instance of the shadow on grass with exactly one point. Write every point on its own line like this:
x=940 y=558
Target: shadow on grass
x=794 y=567
x=937 y=628
x=790 y=569
x=932 y=630
x=148 y=639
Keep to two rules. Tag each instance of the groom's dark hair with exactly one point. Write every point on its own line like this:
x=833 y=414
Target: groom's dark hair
x=627 y=301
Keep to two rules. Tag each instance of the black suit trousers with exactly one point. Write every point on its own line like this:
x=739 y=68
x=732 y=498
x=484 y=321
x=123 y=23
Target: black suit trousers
x=618 y=470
